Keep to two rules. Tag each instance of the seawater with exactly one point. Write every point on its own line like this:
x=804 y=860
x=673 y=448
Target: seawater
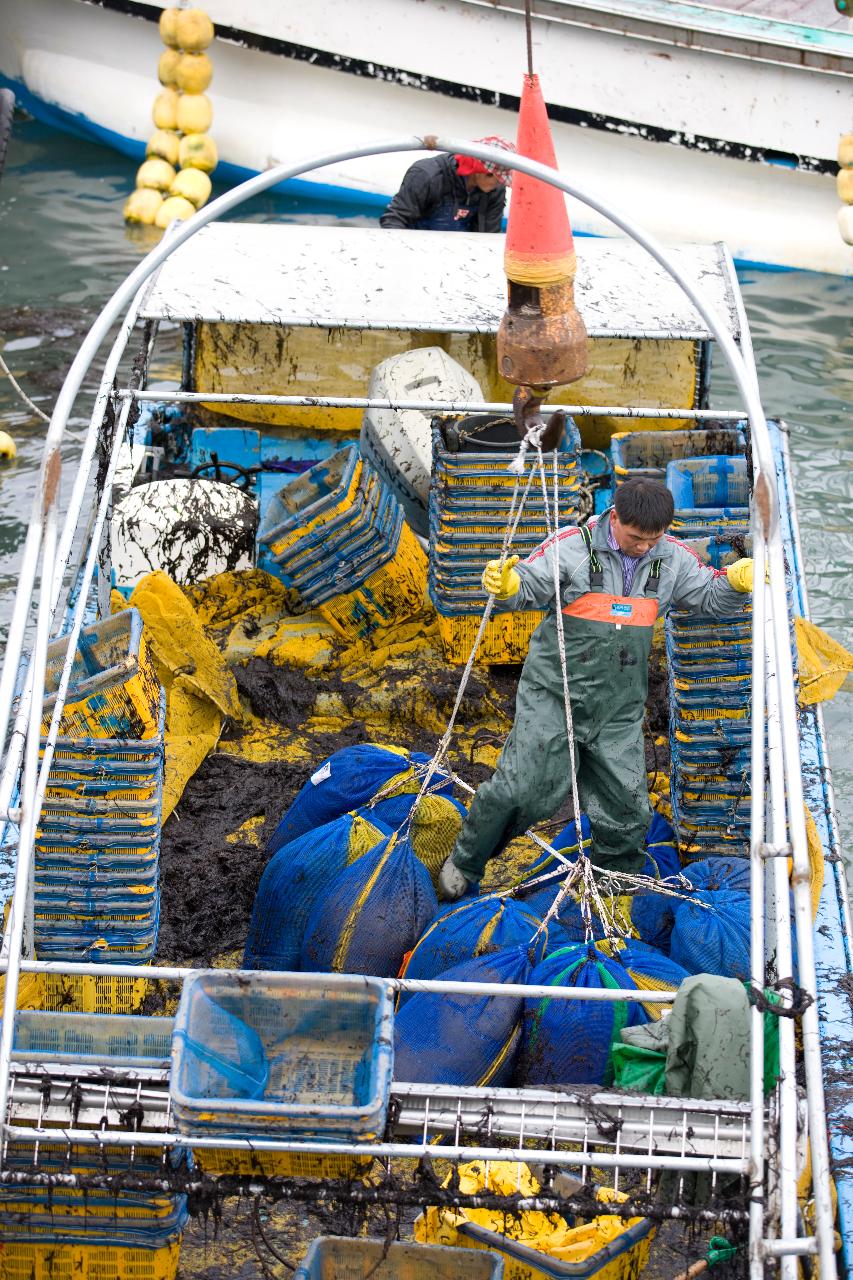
x=64 y=249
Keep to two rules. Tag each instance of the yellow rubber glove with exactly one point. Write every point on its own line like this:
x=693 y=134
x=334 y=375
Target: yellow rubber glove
x=739 y=575
x=501 y=583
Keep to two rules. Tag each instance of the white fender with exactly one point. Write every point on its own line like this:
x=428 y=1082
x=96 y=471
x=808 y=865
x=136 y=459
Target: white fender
x=191 y=529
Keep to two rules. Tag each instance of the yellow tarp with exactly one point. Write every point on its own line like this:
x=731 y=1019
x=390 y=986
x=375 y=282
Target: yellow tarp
x=200 y=689
x=825 y=665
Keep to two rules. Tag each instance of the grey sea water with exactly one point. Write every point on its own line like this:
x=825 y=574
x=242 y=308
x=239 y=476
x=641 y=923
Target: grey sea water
x=64 y=249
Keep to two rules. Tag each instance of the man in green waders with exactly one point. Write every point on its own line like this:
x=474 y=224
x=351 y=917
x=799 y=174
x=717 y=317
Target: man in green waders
x=615 y=579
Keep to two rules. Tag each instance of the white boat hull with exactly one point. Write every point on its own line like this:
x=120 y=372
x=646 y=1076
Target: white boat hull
x=95 y=70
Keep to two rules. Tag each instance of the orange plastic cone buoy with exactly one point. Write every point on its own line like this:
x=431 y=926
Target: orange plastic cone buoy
x=542 y=339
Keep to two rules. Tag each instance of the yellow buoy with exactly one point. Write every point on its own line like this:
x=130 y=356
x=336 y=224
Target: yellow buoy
x=169 y=27
x=844 y=185
x=194 y=113
x=155 y=173
x=165 y=145
x=142 y=206
x=193 y=72
x=198 y=151
x=193 y=185
x=164 y=113
x=174 y=207
x=194 y=30
x=845 y=151
x=8 y=448
x=167 y=67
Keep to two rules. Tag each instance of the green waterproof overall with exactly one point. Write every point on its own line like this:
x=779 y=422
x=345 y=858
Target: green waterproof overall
x=607 y=640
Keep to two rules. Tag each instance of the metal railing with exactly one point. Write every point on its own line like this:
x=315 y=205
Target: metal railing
x=777 y=813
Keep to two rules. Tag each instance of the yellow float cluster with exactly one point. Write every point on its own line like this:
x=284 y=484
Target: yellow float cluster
x=845 y=187
x=173 y=180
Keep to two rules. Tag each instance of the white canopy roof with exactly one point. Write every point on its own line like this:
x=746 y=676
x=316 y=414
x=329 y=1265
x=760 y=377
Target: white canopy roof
x=369 y=278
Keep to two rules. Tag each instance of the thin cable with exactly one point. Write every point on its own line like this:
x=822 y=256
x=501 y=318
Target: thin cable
x=528 y=27
x=21 y=392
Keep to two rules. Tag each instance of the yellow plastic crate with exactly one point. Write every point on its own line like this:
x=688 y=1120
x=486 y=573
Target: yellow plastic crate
x=283 y=541
x=393 y=592
x=587 y=1252
x=279 y=1164
x=505 y=639
x=90 y=994
x=115 y=692
x=49 y=1261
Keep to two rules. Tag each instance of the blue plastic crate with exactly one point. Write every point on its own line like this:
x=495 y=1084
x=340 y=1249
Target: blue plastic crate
x=718 y=482
x=345 y=1259
x=296 y=1053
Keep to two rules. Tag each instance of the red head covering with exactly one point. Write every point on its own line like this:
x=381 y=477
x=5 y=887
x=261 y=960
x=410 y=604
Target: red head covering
x=466 y=165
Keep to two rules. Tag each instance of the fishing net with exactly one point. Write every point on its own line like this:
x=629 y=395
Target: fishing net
x=825 y=666
x=292 y=881
x=463 y=1040
x=474 y=928
x=569 y=1041
x=371 y=914
x=349 y=779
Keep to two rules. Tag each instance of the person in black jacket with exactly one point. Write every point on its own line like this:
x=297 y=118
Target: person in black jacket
x=452 y=193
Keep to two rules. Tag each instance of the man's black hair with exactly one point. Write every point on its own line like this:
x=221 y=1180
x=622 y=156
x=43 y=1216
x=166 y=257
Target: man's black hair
x=644 y=504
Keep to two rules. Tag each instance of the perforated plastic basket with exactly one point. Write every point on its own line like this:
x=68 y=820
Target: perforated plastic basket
x=335 y=1258
x=648 y=453
x=391 y=593
x=279 y=1164
x=505 y=639
x=81 y=1038
x=114 y=691
x=297 y=1053
x=313 y=500
x=53 y=1261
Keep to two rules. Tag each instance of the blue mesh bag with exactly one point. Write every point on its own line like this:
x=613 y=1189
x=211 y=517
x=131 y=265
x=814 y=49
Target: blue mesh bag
x=458 y=1039
x=348 y=779
x=224 y=1057
x=662 y=858
x=371 y=914
x=653 y=914
x=293 y=879
x=475 y=927
x=648 y=968
x=569 y=1041
x=715 y=940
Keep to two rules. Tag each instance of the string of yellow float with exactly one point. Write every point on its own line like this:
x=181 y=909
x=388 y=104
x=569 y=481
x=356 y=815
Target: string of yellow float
x=173 y=181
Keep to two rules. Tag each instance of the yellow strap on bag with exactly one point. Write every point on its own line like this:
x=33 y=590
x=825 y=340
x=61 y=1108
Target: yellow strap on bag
x=824 y=664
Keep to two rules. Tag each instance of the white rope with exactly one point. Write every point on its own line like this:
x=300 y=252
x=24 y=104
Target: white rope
x=509 y=533
x=21 y=392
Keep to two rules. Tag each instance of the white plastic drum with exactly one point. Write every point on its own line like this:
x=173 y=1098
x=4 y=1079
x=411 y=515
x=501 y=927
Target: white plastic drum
x=398 y=441
x=191 y=529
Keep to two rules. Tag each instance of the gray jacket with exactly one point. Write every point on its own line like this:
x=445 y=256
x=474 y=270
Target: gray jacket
x=685 y=582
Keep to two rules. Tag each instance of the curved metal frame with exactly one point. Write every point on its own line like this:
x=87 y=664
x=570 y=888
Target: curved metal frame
x=785 y=800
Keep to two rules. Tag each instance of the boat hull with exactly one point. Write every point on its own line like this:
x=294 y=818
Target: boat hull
x=92 y=71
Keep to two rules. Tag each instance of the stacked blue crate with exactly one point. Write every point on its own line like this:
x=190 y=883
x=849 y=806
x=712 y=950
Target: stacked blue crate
x=471 y=495
x=48 y=1227
x=710 y=689
x=338 y=535
x=96 y=857
x=711 y=495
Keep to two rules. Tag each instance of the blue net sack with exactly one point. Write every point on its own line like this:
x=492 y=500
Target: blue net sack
x=293 y=879
x=347 y=780
x=569 y=1041
x=457 y=1039
x=473 y=928
x=710 y=933
x=223 y=1056
x=653 y=914
x=371 y=914
x=648 y=968
x=431 y=823
x=662 y=858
